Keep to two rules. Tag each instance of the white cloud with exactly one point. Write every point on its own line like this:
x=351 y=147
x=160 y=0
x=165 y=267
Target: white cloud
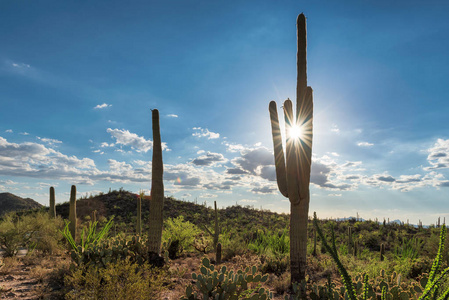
x=137 y=143
x=101 y=106
x=8 y=130
x=364 y=144
x=172 y=116
x=335 y=129
x=204 y=132
x=49 y=141
x=20 y=65
x=35 y=160
x=104 y=145
x=248 y=201
x=24 y=133
x=208 y=196
x=209 y=159
x=438 y=155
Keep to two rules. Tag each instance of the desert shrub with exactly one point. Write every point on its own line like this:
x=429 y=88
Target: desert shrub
x=95 y=250
x=271 y=244
x=48 y=238
x=390 y=286
x=119 y=280
x=232 y=245
x=181 y=235
x=277 y=265
x=33 y=231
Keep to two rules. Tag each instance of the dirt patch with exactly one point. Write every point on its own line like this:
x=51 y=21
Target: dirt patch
x=32 y=277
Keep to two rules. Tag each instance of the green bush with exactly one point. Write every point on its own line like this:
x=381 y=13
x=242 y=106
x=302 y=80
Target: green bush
x=181 y=235
x=118 y=280
x=32 y=231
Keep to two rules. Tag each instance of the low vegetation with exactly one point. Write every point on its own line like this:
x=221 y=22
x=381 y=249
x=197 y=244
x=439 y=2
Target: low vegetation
x=107 y=257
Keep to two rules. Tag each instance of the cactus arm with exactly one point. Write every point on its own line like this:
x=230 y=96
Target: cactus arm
x=305 y=149
x=279 y=159
x=291 y=154
x=301 y=59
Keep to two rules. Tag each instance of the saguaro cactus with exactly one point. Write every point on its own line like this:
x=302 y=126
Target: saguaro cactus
x=350 y=242
x=157 y=190
x=72 y=212
x=293 y=174
x=52 y=210
x=216 y=233
x=139 y=214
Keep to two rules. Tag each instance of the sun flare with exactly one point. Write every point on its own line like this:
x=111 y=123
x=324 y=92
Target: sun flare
x=296 y=132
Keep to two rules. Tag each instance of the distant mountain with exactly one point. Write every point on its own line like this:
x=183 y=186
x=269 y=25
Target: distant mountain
x=10 y=202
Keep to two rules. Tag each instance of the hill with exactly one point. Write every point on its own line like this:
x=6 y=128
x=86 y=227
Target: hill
x=10 y=202
x=123 y=206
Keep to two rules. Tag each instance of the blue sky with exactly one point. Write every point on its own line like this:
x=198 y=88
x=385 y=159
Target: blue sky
x=78 y=80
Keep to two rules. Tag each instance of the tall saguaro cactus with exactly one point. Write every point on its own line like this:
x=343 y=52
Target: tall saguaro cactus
x=157 y=189
x=52 y=210
x=293 y=170
x=72 y=212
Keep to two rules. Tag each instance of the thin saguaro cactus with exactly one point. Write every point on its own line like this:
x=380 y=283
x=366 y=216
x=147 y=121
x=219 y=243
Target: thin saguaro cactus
x=293 y=170
x=157 y=190
x=52 y=210
x=72 y=212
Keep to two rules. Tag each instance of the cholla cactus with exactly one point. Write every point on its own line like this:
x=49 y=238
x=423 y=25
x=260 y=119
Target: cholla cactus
x=72 y=212
x=157 y=190
x=52 y=210
x=293 y=172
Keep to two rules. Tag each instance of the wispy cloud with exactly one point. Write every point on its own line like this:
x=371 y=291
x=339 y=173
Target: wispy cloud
x=8 y=130
x=365 y=144
x=24 y=133
x=204 y=132
x=20 y=65
x=172 y=116
x=49 y=141
x=101 y=106
x=335 y=129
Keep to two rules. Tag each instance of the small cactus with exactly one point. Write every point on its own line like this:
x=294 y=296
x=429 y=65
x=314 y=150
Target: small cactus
x=382 y=252
x=216 y=233
x=350 y=242
x=314 y=241
x=139 y=214
x=52 y=210
x=218 y=253
x=72 y=213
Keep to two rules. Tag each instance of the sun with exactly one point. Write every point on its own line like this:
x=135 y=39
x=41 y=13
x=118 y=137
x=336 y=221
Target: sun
x=296 y=132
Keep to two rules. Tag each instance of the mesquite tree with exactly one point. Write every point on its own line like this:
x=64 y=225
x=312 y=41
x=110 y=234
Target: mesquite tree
x=157 y=190
x=293 y=170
